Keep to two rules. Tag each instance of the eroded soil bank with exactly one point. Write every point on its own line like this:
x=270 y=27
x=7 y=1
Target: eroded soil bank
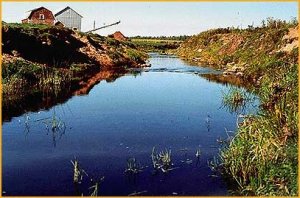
x=45 y=64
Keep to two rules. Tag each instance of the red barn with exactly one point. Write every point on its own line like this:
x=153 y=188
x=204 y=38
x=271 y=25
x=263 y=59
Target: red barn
x=118 y=36
x=39 y=15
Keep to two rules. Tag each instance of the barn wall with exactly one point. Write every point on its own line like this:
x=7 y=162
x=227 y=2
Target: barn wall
x=70 y=19
x=49 y=18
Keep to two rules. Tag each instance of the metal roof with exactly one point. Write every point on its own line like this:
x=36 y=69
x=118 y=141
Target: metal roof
x=63 y=10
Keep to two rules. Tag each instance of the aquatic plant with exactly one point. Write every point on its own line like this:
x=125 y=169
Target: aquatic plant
x=236 y=99
x=95 y=188
x=162 y=160
x=77 y=171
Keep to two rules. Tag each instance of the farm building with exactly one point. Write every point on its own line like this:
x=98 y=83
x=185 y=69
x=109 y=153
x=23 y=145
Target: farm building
x=39 y=15
x=69 y=18
x=118 y=36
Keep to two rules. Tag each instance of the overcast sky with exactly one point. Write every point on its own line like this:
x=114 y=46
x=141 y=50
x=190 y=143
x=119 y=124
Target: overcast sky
x=161 y=18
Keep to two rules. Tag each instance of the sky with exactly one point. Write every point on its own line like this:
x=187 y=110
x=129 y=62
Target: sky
x=161 y=18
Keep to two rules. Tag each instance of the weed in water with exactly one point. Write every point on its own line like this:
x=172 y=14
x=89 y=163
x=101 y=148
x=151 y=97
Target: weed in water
x=162 y=160
x=95 y=188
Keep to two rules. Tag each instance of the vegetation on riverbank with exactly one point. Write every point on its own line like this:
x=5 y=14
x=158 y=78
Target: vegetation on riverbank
x=262 y=157
x=41 y=61
x=161 y=45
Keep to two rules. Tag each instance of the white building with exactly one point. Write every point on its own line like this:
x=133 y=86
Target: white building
x=69 y=18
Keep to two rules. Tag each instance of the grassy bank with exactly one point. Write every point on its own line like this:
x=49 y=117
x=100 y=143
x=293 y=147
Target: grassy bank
x=262 y=157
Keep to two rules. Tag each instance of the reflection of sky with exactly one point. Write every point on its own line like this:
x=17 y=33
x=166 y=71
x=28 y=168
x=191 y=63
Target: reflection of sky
x=162 y=18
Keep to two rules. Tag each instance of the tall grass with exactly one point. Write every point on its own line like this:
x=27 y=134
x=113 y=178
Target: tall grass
x=262 y=158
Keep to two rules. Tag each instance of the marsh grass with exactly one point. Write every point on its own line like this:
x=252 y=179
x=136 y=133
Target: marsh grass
x=236 y=100
x=77 y=172
x=262 y=157
x=22 y=78
x=162 y=160
x=95 y=188
x=78 y=175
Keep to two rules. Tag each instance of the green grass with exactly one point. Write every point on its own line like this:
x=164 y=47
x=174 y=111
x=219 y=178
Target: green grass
x=136 y=55
x=263 y=156
x=156 y=45
x=26 y=26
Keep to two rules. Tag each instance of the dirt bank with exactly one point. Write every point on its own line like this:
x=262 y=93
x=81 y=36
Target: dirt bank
x=54 y=62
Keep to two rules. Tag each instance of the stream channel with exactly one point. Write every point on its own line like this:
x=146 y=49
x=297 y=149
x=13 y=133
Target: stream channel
x=169 y=106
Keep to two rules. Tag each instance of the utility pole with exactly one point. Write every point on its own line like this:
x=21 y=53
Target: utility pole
x=94 y=27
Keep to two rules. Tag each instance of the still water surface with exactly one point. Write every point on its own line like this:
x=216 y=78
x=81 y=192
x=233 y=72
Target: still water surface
x=168 y=106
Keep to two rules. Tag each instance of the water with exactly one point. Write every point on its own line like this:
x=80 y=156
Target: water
x=170 y=109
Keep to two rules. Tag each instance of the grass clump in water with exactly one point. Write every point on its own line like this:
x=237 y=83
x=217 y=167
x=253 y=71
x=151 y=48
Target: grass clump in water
x=162 y=160
x=236 y=99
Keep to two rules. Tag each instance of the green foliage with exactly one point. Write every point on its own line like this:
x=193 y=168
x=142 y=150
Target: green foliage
x=136 y=55
x=155 y=45
x=225 y=45
x=112 y=42
x=262 y=158
x=26 y=26
x=174 y=38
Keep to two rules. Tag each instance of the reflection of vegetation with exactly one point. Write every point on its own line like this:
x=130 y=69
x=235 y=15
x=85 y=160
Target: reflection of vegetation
x=132 y=166
x=53 y=125
x=226 y=80
x=26 y=124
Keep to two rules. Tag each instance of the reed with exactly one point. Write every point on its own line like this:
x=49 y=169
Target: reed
x=96 y=187
x=162 y=160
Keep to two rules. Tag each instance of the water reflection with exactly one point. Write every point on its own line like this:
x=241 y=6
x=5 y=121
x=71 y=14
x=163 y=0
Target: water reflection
x=208 y=124
x=45 y=99
x=53 y=126
x=226 y=79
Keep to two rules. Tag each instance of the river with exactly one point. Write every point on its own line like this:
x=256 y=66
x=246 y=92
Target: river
x=168 y=106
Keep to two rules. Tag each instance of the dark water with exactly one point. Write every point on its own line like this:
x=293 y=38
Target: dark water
x=173 y=108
